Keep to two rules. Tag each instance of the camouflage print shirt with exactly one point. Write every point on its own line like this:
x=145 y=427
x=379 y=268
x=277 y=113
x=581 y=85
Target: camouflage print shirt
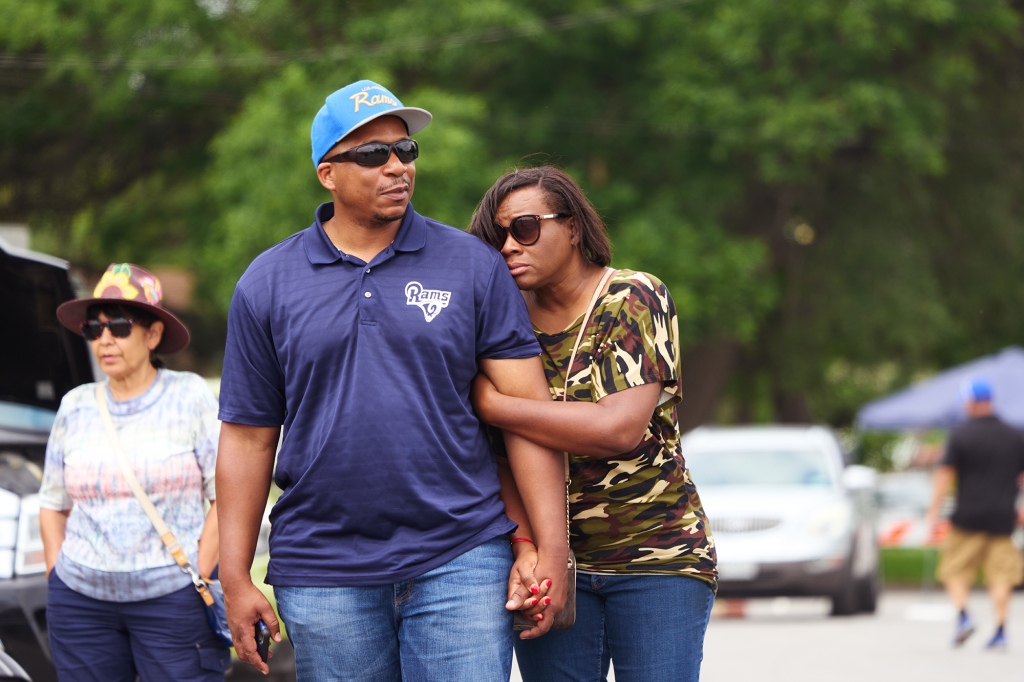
x=637 y=512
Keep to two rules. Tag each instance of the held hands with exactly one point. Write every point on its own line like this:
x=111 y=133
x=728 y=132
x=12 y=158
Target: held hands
x=245 y=606
x=539 y=598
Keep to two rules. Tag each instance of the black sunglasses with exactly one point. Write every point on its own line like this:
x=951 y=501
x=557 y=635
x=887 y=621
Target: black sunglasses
x=378 y=153
x=525 y=229
x=120 y=328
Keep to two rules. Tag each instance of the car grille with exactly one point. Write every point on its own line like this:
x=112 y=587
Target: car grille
x=742 y=525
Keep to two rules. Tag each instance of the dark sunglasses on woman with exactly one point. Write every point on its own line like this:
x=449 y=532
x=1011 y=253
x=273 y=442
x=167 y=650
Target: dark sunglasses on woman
x=525 y=229
x=120 y=328
x=378 y=153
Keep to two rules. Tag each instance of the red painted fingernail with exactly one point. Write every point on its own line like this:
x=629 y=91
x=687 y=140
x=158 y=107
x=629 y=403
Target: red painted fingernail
x=530 y=602
x=546 y=601
x=547 y=583
x=534 y=590
x=540 y=617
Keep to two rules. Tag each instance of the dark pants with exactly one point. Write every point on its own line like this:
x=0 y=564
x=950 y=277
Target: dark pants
x=160 y=639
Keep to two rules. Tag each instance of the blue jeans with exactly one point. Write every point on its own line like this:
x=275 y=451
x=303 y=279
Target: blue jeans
x=448 y=624
x=651 y=626
x=166 y=638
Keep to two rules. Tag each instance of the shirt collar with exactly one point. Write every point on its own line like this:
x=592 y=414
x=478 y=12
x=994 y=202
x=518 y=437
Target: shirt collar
x=140 y=402
x=412 y=235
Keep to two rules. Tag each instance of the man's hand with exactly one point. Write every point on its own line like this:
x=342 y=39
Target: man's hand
x=526 y=592
x=246 y=605
x=522 y=580
x=942 y=483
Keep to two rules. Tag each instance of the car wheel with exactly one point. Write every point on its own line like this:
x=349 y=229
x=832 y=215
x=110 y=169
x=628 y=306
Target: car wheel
x=844 y=599
x=867 y=592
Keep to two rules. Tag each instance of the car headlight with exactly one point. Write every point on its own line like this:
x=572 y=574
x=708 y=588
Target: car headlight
x=830 y=522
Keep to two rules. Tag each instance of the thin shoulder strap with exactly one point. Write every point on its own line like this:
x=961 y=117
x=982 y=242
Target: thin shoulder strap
x=583 y=327
x=576 y=346
x=147 y=505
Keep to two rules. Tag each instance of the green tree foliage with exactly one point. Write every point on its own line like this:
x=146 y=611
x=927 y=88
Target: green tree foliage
x=107 y=109
x=827 y=187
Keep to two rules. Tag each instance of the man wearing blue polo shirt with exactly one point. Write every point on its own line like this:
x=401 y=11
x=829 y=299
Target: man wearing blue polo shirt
x=360 y=337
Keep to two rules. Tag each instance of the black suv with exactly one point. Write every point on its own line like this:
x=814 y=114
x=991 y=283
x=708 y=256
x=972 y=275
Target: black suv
x=41 y=362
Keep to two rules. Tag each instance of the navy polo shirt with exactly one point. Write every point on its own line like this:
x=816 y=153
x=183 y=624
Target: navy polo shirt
x=386 y=471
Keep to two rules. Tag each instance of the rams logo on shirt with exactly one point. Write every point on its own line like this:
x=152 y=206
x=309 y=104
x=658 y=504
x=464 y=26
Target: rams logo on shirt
x=430 y=301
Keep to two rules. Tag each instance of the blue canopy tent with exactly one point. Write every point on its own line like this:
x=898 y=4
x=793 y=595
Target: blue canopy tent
x=938 y=402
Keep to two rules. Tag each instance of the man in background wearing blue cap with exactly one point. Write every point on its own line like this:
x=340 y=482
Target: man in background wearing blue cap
x=360 y=336
x=985 y=456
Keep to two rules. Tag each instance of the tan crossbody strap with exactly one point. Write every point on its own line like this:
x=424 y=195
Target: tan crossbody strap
x=147 y=505
x=576 y=346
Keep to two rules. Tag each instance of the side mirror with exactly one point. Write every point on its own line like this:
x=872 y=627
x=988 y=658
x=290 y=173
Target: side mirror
x=858 y=477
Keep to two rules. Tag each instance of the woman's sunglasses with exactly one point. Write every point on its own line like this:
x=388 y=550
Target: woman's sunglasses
x=525 y=229
x=378 y=153
x=120 y=328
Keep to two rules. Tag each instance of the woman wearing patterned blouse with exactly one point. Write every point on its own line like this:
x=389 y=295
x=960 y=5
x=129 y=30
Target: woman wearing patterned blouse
x=647 y=568
x=118 y=606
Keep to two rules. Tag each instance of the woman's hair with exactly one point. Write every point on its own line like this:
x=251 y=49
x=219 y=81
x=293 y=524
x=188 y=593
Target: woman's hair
x=563 y=195
x=140 y=315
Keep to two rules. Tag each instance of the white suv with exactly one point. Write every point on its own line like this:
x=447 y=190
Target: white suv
x=789 y=517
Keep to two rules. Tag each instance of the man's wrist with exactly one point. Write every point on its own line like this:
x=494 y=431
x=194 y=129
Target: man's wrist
x=232 y=577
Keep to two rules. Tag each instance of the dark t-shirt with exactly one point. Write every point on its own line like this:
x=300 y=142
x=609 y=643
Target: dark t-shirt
x=988 y=456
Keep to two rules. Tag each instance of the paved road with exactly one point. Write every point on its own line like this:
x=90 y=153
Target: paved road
x=906 y=641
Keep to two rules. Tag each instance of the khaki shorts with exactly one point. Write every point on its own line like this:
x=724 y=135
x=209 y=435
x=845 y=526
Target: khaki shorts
x=965 y=551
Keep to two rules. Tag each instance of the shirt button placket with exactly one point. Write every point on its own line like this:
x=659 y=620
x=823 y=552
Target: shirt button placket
x=366 y=306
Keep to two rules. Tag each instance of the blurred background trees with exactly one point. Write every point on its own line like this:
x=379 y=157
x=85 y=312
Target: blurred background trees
x=830 y=188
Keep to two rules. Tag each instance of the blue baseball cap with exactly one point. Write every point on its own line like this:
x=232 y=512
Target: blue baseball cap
x=357 y=104
x=977 y=390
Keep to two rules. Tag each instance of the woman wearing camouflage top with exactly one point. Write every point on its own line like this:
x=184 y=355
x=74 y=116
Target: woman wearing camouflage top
x=646 y=558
